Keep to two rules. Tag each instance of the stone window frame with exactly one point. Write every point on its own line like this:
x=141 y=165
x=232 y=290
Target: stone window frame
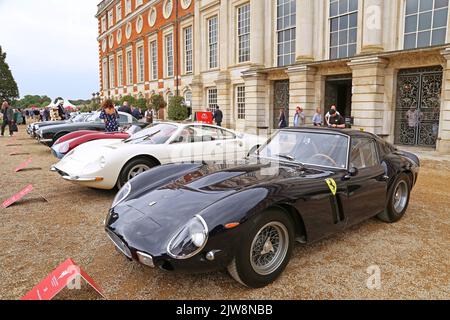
x=105 y=75
x=140 y=62
x=166 y=33
x=128 y=7
x=120 y=61
x=119 y=11
x=129 y=77
x=188 y=55
x=110 y=18
x=292 y=29
x=240 y=100
x=241 y=57
x=348 y=12
x=103 y=23
x=211 y=96
x=153 y=63
x=212 y=43
x=112 y=71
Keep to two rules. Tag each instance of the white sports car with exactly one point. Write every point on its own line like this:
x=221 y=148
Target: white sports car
x=105 y=164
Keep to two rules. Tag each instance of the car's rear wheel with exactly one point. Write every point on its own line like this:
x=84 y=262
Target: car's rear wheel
x=265 y=250
x=134 y=168
x=398 y=200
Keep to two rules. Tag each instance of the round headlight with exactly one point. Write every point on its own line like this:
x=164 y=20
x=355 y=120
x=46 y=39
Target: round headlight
x=122 y=194
x=189 y=240
x=64 y=147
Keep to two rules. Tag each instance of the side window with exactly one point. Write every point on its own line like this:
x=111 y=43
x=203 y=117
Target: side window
x=211 y=134
x=187 y=136
x=227 y=135
x=123 y=118
x=364 y=154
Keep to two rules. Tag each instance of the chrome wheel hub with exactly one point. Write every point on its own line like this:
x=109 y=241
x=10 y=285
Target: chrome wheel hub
x=137 y=170
x=269 y=248
x=400 y=197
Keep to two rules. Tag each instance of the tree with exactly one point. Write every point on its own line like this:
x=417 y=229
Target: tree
x=157 y=102
x=8 y=86
x=177 y=109
x=130 y=99
x=141 y=103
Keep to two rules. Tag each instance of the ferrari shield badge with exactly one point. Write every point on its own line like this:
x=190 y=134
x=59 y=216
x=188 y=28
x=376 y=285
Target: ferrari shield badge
x=332 y=185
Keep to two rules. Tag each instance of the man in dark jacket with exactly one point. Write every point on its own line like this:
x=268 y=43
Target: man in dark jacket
x=218 y=116
x=125 y=108
x=8 y=118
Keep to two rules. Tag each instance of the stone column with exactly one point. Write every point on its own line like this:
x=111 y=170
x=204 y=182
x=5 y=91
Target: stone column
x=305 y=30
x=197 y=94
x=257 y=39
x=256 y=96
x=302 y=91
x=223 y=83
x=224 y=41
x=443 y=144
x=197 y=84
x=373 y=26
x=368 y=100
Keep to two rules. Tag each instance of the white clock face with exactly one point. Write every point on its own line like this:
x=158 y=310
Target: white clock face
x=139 y=24
x=152 y=17
x=186 y=3
x=128 y=30
x=168 y=7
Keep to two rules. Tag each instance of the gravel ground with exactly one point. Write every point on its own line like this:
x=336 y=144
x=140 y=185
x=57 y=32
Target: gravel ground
x=35 y=237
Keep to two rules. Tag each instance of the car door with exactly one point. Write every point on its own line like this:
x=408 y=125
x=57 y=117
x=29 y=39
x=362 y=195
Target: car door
x=367 y=185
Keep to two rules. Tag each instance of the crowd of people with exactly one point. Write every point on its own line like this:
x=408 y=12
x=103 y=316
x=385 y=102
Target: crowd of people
x=332 y=119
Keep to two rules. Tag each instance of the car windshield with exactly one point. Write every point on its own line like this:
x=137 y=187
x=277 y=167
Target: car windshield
x=308 y=148
x=78 y=118
x=95 y=117
x=157 y=134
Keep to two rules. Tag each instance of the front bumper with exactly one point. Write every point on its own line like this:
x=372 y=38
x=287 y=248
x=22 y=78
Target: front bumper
x=82 y=179
x=47 y=142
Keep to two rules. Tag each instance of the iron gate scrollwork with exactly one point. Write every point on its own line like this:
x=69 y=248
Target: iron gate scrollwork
x=281 y=101
x=418 y=106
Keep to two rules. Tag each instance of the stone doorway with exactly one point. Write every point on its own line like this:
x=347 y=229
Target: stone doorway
x=280 y=101
x=338 y=91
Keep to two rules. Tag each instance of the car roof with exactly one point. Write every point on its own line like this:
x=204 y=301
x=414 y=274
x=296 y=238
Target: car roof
x=348 y=132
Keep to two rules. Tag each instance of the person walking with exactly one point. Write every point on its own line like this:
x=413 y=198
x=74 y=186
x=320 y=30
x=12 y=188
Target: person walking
x=8 y=118
x=109 y=115
x=218 y=116
x=136 y=113
x=299 y=117
x=282 y=120
x=317 y=118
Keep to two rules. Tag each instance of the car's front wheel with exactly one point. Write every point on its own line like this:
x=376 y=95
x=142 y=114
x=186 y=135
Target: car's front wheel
x=398 y=200
x=133 y=169
x=265 y=251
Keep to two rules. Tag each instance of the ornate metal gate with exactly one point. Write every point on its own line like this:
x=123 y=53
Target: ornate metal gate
x=418 y=106
x=280 y=101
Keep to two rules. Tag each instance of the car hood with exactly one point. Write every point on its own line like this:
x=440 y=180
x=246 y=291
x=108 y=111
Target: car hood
x=175 y=203
x=68 y=126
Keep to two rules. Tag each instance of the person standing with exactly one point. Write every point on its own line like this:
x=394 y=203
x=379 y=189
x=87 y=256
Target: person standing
x=61 y=111
x=109 y=115
x=282 y=120
x=149 y=116
x=335 y=120
x=8 y=118
x=317 y=118
x=328 y=115
x=125 y=108
x=136 y=113
x=218 y=116
x=299 y=117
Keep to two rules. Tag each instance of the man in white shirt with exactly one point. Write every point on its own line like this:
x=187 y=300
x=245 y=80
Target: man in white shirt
x=328 y=115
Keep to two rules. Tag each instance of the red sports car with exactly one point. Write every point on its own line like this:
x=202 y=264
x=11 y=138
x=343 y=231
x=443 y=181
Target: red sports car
x=72 y=140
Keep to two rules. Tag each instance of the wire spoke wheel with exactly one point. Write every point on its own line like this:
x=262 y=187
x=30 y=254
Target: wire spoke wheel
x=269 y=248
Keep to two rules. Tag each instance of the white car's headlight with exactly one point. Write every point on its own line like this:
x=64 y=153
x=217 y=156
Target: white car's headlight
x=122 y=194
x=64 y=147
x=189 y=240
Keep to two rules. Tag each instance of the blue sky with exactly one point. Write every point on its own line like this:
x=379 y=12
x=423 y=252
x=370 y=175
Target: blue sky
x=51 y=46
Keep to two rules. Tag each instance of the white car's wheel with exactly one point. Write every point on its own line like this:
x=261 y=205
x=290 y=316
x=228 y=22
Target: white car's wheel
x=134 y=168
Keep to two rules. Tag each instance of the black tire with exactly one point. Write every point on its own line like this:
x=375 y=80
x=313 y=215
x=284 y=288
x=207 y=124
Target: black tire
x=395 y=210
x=125 y=173
x=242 y=269
x=59 y=135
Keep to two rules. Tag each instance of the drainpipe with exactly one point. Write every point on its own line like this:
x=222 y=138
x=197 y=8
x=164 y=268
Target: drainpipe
x=177 y=46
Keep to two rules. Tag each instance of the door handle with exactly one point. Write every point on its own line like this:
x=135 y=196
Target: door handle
x=218 y=144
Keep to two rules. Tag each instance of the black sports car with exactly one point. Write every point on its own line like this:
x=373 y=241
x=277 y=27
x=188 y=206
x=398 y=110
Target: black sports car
x=34 y=127
x=49 y=134
x=303 y=185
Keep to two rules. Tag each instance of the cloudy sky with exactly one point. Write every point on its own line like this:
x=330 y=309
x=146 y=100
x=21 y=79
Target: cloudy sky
x=51 y=46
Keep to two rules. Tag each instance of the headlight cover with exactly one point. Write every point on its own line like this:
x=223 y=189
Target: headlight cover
x=64 y=147
x=189 y=240
x=122 y=194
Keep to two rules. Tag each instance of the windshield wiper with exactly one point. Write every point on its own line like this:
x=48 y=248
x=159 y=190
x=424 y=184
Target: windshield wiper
x=285 y=156
x=144 y=138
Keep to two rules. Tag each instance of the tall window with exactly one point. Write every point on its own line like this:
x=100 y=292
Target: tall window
x=286 y=31
x=212 y=99
x=154 y=60
x=240 y=102
x=169 y=55
x=343 y=28
x=119 y=70
x=112 y=70
x=129 y=67
x=139 y=3
x=243 y=13
x=140 y=64
x=212 y=42
x=110 y=18
x=103 y=23
x=119 y=12
x=425 y=23
x=188 y=56
x=127 y=7
x=105 y=74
